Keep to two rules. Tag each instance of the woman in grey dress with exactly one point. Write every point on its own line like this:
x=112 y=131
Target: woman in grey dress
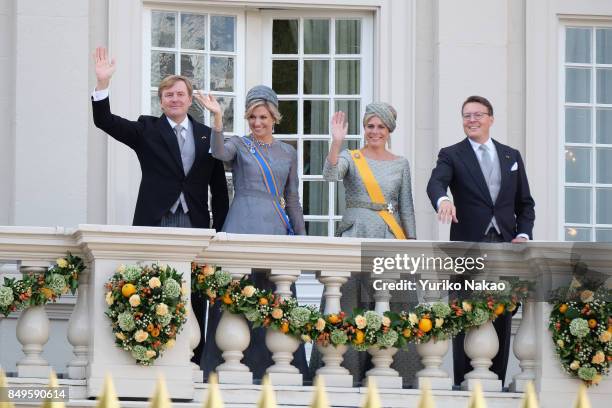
x=361 y=218
x=252 y=210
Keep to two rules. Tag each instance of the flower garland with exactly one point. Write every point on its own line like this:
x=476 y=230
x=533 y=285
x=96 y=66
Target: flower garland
x=36 y=289
x=362 y=329
x=146 y=305
x=581 y=326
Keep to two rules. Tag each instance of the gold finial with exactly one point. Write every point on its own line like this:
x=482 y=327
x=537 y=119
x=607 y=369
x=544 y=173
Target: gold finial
x=108 y=397
x=372 y=398
x=160 y=398
x=213 y=399
x=267 y=399
x=426 y=400
x=320 y=397
x=477 y=398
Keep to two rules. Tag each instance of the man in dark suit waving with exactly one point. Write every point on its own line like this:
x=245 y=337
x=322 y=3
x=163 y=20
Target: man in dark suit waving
x=492 y=202
x=174 y=155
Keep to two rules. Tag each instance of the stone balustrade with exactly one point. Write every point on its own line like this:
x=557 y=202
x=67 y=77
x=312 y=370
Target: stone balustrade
x=332 y=260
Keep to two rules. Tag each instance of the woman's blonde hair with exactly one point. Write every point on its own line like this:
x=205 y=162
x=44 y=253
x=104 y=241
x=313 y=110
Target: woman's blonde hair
x=268 y=105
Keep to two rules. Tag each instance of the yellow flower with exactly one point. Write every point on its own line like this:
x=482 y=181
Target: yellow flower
x=61 y=262
x=141 y=336
x=161 y=309
x=47 y=293
x=134 y=300
x=439 y=322
x=511 y=307
x=120 y=336
x=386 y=321
x=109 y=298
x=598 y=358
x=163 y=267
x=575 y=365
x=184 y=289
x=361 y=321
x=211 y=293
x=605 y=336
x=560 y=343
x=170 y=343
x=413 y=318
x=248 y=291
x=467 y=306
x=320 y=324
x=150 y=353
x=277 y=313
x=121 y=268
x=306 y=338
x=586 y=296
x=154 y=282
x=597 y=379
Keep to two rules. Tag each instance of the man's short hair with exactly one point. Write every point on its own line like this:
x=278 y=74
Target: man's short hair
x=481 y=100
x=170 y=80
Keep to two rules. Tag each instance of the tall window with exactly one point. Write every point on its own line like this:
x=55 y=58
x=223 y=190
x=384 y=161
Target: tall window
x=587 y=112
x=319 y=65
x=200 y=46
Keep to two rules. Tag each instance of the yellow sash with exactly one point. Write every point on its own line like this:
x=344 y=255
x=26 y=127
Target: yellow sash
x=375 y=193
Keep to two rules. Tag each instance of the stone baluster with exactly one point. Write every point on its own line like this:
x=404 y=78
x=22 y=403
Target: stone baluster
x=233 y=337
x=481 y=345
x=33 y=332
x=194 y=339
x=282 y=346
x=78 y=330
x=525 y=348
x=432 y=353
x=333 y=374
x=382 y=373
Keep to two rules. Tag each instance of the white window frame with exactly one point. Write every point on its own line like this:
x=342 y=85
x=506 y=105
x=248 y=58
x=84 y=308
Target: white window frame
x=239 y=62
x=366 y=57
x=592 y=105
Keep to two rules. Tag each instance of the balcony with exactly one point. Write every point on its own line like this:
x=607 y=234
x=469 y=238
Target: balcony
x=78 y=325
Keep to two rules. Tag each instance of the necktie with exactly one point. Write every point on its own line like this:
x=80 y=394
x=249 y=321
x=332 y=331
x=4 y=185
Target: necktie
x=179 y=136
x=486 y=164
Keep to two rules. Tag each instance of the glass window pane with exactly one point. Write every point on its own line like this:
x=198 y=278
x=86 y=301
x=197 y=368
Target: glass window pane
x=193 y=31
x=285 y=76
x=315 y=153
x=316 y=117
x=604 y=167
x=578 y=45
x=577 y=165
x=316 y=77
x=292 y=142
x=222 y=29
x=315 y=198
x=350 y=144
x=288 y=125
x=577 y=234
x=604 y=126
x=578 y=125
x=578 y=205
x=227 y=105
x=285 y=37
x=352 y=110
x=316 y=36
x=340 y=198
x=604 y=204
x=222 y=74
x=193 y=67
x=578 y=85
x=155 y=106
x=348 y=77
x=163 y=29
x=603 y=235
x=162 y=65
x=197 y=112
x=604 y=85
x=603 y=45
x=316 y=228
x=348 y=36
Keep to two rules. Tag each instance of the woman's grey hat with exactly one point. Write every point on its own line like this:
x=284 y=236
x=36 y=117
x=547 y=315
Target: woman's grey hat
x=261 y=92
x=385 y=112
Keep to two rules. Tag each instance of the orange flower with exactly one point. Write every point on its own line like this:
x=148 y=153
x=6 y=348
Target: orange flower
x=333 y=319
x=227 y=299
x=563 y=308
x=425 y=324
x=406 y=332
x=263 y=301
x=284 y=328
x=592 y=323
x=499 y=309
x=359 y=336
x=155 y=332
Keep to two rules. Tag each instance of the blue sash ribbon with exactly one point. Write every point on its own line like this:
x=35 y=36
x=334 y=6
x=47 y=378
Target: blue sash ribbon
x=270 y=182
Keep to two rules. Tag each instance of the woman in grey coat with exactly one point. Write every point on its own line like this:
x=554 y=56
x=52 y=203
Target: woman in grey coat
x=254 y=210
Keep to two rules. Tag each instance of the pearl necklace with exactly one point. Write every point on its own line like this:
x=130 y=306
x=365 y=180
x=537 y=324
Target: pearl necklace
x=262 y=144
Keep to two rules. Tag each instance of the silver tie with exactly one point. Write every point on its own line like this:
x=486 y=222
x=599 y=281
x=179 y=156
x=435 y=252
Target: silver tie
x=179 y=136
x=486 y=164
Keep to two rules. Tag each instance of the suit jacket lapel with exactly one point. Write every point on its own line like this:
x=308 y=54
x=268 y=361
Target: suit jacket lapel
x=471 y=162
x=170 y=138
x=201 y=141
x=504 y=155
